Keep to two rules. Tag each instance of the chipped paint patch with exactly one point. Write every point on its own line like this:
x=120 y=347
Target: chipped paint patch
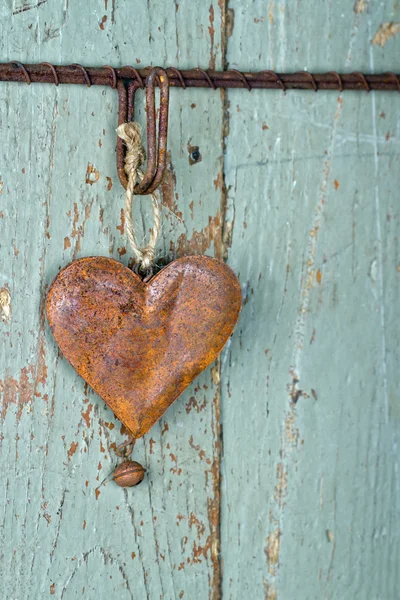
x=272 y=550
x=360 y=6
x=72 y=449
x=92 y=174
x=211 y=31
x=385 y=32
x=5 y=305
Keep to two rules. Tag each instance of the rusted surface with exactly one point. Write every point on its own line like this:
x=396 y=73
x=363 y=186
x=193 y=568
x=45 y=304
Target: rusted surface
x=156 y=152
x=302 y=80
x=139 y=345
x=129 y=473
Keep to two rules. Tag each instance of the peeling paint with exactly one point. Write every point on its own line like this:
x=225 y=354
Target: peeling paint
x=272 y=550
x=92 y=174
x=5 y=305
x=385 y=32
x=211 y=31
x=360 y=6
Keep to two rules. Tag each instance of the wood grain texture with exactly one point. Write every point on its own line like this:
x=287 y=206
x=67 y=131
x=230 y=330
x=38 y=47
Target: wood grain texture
x=300 y=495
x=310 y=485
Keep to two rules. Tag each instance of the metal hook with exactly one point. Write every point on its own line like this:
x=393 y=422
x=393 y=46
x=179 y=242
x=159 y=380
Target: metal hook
x=156 y=154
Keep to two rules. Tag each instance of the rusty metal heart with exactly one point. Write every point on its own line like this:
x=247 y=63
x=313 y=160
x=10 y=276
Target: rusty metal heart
x=139 y=345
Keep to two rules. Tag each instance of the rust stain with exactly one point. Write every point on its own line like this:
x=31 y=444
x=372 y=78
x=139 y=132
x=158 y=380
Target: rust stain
x=1 y=186
x=336 y=184
x=200 y=241
x=92 y=174
x=202 y=453
x=86 y=414
x=281 y=485
x=271 y=8
x=214 y=501
x=199 y=525
x=75 y=221
x=121 y=227
x=41 y=371
x=79 y=231
x=319 y=276
x=103 y=20
x=5 y=305
x=211 y=31
x=175 y=470
x=67 y=243
x=219 y=181
x=385 y=32
x=151 y=442
x=84 y=525
x=97 y=493
x=193 y=404
x=109 y=183
x=72 y=449
x=52 y=589
x=19 y=392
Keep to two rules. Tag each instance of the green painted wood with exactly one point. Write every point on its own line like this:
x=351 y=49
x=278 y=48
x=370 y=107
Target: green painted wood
x=297 y=494
x=310 y=383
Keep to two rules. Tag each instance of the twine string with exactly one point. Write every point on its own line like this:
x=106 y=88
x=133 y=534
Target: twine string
x=135 y=156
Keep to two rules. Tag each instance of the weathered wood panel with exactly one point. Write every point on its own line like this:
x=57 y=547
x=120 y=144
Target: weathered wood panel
x=310 y=383
x=62 y=534
x=299 y=192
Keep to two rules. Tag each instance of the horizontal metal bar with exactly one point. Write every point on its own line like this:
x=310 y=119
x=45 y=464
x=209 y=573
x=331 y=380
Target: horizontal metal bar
x=107 y=75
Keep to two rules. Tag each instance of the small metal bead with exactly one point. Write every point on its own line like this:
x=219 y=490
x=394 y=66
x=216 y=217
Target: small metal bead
x=129 y=473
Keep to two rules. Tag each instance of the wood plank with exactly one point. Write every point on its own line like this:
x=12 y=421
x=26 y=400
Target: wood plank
x=310 y=385
x=61 y=200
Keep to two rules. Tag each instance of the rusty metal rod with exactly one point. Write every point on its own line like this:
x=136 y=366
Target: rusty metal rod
x=107 y=75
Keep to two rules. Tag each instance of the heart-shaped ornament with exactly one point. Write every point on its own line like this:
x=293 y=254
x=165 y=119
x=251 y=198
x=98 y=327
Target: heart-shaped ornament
x=137 y=344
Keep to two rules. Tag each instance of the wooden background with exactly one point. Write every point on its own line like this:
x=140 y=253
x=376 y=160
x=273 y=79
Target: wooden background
x=276 y=475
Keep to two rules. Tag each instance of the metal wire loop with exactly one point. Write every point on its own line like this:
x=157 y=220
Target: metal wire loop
x=84 y=72
x=113 y=75
x=311 y=79
x=137 y=75
x=53 y=71
x=207 y=78
x=179 y=76
x=242 y=79
x=394 y=78
x=336 y=75
x=363 y=80
x=277 y=79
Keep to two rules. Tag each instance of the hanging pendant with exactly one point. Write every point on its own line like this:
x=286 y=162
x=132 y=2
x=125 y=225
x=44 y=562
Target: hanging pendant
x=137 y=344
